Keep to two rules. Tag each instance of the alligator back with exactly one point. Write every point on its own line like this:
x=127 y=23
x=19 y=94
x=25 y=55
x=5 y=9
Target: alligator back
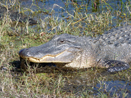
x=114 y=44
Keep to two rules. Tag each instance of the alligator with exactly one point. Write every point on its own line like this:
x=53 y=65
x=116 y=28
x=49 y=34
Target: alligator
x=111 y=50
x=15 y=15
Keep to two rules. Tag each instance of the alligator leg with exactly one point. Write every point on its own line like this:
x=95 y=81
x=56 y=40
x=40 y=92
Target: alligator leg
x=115 y=65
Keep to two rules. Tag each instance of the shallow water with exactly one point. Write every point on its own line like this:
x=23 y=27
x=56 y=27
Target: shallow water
x=114 y=87
x=86 y=6
x=63 y=9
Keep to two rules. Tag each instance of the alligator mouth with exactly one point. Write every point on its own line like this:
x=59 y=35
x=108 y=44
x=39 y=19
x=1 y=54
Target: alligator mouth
x=65 y=56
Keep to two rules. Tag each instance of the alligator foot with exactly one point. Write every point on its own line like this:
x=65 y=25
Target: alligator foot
x=115 y=65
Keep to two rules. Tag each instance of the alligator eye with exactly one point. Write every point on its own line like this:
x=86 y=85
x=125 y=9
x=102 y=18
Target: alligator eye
x=62 y=41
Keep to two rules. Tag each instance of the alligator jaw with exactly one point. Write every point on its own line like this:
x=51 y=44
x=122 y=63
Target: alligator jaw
x=63 y=57
x=49 y=58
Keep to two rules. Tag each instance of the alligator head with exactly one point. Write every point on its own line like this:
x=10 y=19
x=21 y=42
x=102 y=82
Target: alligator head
x=62 y=48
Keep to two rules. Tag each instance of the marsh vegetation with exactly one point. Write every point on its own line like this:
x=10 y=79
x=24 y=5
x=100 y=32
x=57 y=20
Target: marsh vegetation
x=76 y=17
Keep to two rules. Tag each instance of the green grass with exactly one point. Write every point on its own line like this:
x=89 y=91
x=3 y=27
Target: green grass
x=54 y=83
